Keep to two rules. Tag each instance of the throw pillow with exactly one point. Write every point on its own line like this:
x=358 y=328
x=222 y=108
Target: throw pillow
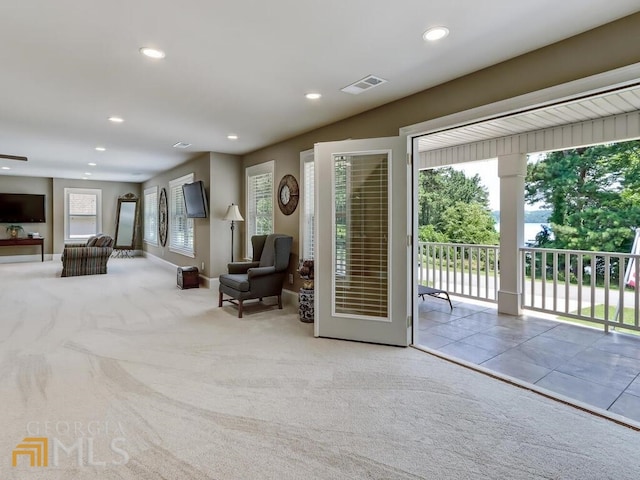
x=103 y=241
x=92 y=241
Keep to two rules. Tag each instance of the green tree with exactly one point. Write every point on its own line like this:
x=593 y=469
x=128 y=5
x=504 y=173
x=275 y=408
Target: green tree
x=593 y=193
x=469 y=223
x=442 y=189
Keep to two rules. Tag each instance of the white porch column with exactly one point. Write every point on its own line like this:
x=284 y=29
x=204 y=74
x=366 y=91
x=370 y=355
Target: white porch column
x=512 y=170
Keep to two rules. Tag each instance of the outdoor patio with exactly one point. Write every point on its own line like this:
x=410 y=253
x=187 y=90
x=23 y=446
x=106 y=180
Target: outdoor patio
x=579 y=362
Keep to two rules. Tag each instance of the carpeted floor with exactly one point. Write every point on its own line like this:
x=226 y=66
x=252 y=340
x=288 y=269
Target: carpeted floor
x=128 y=377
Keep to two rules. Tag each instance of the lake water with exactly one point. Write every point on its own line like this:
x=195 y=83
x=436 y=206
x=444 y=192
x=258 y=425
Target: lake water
x=530 y=230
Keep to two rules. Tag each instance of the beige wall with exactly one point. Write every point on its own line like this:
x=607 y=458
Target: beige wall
x=606 y=48
x=40 y=186
x=222 y=177
x=226 y=178
x=212 y=235
x=110 y=193
x=200 y=169
x=53 y=188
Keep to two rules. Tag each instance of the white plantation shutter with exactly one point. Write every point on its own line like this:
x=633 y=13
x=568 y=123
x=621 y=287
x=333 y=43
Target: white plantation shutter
x=151 y=215
x=180 y=227
x=308 y=214
x=259 y=219
x=361 y=234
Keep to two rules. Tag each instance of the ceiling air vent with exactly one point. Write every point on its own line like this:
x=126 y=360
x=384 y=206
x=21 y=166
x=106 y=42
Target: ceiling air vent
x=181 y=145
x=367 y=83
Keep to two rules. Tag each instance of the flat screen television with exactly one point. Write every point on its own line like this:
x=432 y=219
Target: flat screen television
x=22 y=208
x=195 y=199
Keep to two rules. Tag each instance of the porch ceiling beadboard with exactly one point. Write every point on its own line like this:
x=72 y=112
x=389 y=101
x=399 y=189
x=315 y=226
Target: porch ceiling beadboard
x=605 y=118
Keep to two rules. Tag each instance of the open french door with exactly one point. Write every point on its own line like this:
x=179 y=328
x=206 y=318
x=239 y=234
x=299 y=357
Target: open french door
x=363 y=283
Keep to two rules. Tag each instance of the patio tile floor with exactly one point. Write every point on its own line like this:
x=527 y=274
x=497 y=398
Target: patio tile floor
x=578 y=362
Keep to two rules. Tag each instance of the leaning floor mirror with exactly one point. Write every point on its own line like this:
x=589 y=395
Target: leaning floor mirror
x=126 y=225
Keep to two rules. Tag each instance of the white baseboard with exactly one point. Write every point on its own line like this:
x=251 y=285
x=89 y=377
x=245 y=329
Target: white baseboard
x=205 y=282
x=170 y=267
x=26 y=258
x=290 y=297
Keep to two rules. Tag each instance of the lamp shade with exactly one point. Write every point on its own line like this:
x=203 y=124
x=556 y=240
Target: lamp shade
x=233 y=214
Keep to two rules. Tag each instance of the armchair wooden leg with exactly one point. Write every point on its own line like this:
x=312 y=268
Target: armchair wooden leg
x=239 y=308
x=220 y=300
x=280 y=301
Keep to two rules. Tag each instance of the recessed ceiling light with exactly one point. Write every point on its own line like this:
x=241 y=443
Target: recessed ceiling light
x=232 y=137
x=116 y=119
x=313 y=96
x=87 y=173
x=6 y=168
x=91 y=164
x=101 y=149
x=181 y=145
x=84 y=178
x=152 y=52
x=435 y=33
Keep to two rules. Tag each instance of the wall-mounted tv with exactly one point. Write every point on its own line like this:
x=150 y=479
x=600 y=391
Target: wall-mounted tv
x=195 y=199
x=22 y=208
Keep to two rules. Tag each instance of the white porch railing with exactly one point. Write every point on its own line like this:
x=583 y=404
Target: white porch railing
x=461 y=269
x=584 y=285
x=595 y=292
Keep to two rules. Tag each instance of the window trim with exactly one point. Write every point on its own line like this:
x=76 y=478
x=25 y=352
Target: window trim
x=181 y=250
x=259 y=169
x=83 y=191
x=150 y=191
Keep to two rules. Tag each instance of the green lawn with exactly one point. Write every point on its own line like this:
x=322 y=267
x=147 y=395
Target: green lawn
x=599 y=313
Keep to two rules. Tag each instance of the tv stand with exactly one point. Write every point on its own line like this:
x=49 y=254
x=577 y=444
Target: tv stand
x=23 y=242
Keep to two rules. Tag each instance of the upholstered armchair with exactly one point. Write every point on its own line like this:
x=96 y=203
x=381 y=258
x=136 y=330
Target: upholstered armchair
x=88 y=258
x=261 y=277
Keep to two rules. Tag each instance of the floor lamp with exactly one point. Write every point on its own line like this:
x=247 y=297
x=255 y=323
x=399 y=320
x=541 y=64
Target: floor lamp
x=233 y=215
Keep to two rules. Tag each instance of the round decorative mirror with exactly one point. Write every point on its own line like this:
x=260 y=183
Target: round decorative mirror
x=163 y=217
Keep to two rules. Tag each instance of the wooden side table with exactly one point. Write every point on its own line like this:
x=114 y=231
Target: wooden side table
x=24 y=242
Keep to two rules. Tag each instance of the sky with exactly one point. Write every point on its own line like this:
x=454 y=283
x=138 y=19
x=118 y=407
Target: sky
x=488 y=172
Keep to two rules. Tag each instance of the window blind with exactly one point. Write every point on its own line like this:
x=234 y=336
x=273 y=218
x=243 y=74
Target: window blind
x=151 y=215
x=259 y=201
x=309 y=210
x=180 y=227
x=361 y=247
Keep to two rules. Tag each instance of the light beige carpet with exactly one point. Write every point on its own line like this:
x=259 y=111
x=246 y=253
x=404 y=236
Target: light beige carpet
x=185 y=390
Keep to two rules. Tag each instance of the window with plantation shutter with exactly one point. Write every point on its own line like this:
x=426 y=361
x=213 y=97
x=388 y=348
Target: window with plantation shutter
x=361 y=234
x=259 y=218
x=307 y=224
x=180 y=227
x=82 y=213
x=150 y=226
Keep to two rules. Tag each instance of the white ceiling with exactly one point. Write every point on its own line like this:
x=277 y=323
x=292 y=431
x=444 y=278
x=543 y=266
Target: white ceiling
x=238 y=67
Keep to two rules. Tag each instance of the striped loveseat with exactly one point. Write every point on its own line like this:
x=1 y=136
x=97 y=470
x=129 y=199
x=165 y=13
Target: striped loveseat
x=87 y=258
